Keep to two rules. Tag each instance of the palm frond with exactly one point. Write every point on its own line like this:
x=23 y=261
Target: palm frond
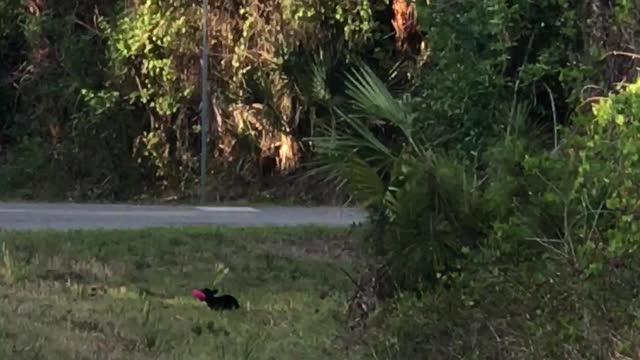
x=319 y=74
x=372 y=99
x=349 y=150
x=364 y=137
x=365 y=182
x=371 y=96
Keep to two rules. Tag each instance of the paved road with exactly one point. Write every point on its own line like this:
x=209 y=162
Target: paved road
x=31 y=216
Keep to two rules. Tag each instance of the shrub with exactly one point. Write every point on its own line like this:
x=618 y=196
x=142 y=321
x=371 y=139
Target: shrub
x=514 y=309
x=26 y=165
x=610 y=170
x=425 y=204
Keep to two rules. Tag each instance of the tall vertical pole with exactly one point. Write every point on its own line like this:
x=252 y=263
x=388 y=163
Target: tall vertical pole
x=204 y=129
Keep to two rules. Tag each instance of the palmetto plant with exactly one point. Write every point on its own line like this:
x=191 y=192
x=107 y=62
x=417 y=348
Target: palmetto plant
x=350 y=151
x=423 y=201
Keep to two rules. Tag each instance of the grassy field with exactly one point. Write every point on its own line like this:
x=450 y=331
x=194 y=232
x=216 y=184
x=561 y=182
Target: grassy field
x=127 y=294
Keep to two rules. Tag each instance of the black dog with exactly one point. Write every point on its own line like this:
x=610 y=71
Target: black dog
x=224 y=302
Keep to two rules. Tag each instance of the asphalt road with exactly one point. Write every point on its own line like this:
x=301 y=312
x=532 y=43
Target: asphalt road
x=32 y=216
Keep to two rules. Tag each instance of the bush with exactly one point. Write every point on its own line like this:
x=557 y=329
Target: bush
x=425 y=204
x=438 y=215
x=484 y=56
x=26 y=165
x=535 y=309
x=610 y=171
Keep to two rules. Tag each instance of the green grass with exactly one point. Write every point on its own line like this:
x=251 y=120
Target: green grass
x=127 y=294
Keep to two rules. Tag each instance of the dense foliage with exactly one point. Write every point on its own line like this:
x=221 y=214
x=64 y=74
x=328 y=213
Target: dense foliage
x=101 y=99
x=502 y=180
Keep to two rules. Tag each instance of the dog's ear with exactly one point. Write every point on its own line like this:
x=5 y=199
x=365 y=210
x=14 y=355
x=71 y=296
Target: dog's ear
x=208 y=292
x=214 y=291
